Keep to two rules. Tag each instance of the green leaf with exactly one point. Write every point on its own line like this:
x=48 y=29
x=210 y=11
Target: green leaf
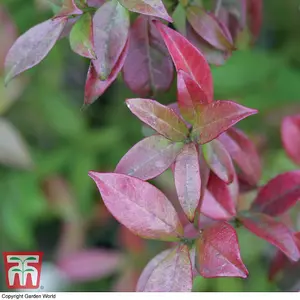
x=16 y=270
x=15 y=258
x=30 y=258
x=29 y=270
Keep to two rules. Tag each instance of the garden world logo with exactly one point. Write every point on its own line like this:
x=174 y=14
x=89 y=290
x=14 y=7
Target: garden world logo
x=23 y=269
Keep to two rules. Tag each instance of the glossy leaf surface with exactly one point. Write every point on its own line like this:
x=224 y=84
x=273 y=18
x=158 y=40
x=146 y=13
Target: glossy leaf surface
x=153 y=8
x=290 y=135
x=149 y=157
x=139 y=206
x=217 y=117
x=274 y=232
x=188 y=58
x=148 y=67
x=32 y=47
x=82 y=38
x=111 y=27
x=94 y=87
x=279 y=194
x=219 y=253
x=168 y=272
x=161 y=118
x=187 y=179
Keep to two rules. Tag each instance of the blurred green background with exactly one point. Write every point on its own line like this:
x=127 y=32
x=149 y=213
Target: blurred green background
x=48 y=145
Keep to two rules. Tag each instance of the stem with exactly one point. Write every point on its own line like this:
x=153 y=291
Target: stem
x=217 y=7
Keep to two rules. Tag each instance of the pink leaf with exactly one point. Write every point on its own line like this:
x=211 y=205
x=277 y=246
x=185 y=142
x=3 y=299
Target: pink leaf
x=159 y=117
x=219 y=253
x=274 y=232
x=95 y=3
x=219 y=160
x=82 y=38
x=222 y=193
x=170 y=271
x=216 y=117
x=187 y=58
x=111 y=27
x=213 y=209
x=90 y=264
x=290 y=135
x=190 y=96
x=94 y=87
x=153 y=8
x=69 y=8
x=32 y=47
x=148 y=67
x=139 y=206
x=187 y=179
x=149 y=157
x=279 y=194
x=209 y=28
x=243 y=152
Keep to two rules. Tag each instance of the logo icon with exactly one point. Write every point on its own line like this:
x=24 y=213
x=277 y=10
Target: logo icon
x=23 y=269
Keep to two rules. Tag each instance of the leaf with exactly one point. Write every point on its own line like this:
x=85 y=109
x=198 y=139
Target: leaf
x=216 y=117
x=29 y=270
x=255 y=12
x=110 y=27
x=243 y=152
x=15 y=258
x=95 y=3
x=290 y=135
x=278 y=263
x=90 y=264
x=219 y=160
x=30 y=258
x=190 y=96
x=187 y=179
x=161 y=118
x=16 y=270
x=211 y=54
x=69 y=8
x=13 y=150
x=274 y=232
x=139 y=206
x=81 y=37
x=222 y=193
x=279 y=194
x=94 y=87
x=149 y=158
x=153 y=8
x=187 y=58
x=32 y=47
x=169 y=271
x=219 y=253
x=209 y=28
x=148 y=68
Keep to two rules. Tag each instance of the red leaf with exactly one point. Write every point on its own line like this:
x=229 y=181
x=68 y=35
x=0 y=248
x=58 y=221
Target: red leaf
x=187 y=58
x=279 y=194
x=170 y=271
x=255 y=11
x=219 y=160
x=111 y=27
x=32 y=47
x=219 y=253
x=90 y=264
x=290 y=135
x=148 y=67
x=274 y=232
x=209 y=28
x=278 y=263
x=69 y=8
x=82 y=38
x=221 y=192
x=139 y=206
x=149 y=157
x=216 y=117
x=153 y=8
x=187 y=179
x=190 y=96
x=213 y=209
x=159 y=117
x=94 y=87
x=244 y=153
x=211 y=54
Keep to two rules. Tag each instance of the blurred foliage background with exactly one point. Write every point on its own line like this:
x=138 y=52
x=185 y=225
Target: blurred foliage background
x=48 y=145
